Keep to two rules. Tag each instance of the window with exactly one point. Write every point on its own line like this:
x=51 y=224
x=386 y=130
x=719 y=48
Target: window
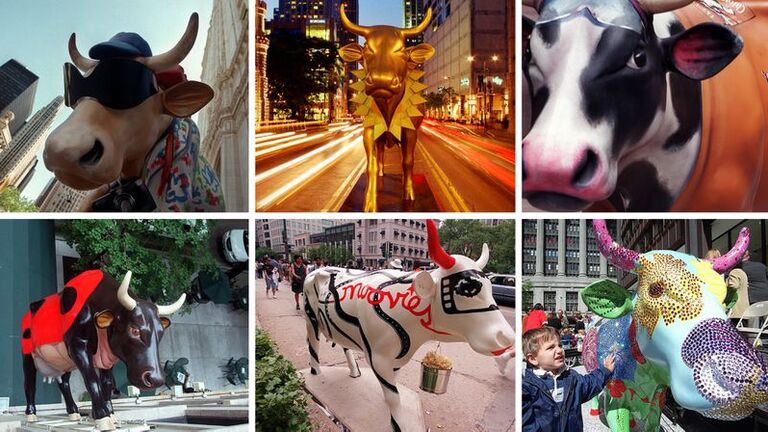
x=550 y=301
x=572 y=301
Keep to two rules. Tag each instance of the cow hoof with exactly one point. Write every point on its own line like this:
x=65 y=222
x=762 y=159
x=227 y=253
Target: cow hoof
x=314 y=371
x=74 y=417
x=357 y=375
x=31 y=418
x=105 y=424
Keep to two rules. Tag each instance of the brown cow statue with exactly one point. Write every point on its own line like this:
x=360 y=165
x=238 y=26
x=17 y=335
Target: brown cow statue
x=389 y=96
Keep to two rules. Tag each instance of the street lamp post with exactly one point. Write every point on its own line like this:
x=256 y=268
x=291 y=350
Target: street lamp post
x=483 y=107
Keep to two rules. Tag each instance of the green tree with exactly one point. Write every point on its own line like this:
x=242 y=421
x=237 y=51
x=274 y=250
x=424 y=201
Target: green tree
x=527 y=295
x=300 y=71
x=337 y=256
x=466 y=237
x=262 y=251
x=163 y=254
x=12 y=201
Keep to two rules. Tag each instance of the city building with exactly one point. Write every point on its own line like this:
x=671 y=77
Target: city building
x=560 y=257
x=58 y=197
x=341 y=235
x=224 y=121
x=413 y=14
x=313 y=17
x=279 y=234
x=511 y=64
x=261 y=85
x=343 y=37
x=5 y=130
x=472 y=41
x=18 y=86
x=380 y=240
x=19 y=160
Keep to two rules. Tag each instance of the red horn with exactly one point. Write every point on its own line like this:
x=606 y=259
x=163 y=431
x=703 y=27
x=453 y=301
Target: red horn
x=439 y=255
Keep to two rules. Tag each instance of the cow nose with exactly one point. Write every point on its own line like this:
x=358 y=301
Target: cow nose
x=505 y=338
x=152 y=380
x=586 y=170
x=93 y=156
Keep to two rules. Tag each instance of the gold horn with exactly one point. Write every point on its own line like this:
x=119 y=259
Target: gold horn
x=349 y=25
x=419 y=29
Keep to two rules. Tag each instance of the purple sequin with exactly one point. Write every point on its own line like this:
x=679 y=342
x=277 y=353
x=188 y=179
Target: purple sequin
x=733 y=257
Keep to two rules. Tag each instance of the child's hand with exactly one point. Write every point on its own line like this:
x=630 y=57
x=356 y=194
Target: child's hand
x=610 y=362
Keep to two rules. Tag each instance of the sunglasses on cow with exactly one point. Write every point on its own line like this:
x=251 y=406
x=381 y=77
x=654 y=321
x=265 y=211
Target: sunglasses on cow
x=116 y=83
x=625 y=14
x=457 y=289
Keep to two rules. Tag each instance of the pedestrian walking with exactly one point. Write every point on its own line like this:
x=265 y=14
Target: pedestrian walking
x=536 y=318
x=298 y=271
x=270 y=275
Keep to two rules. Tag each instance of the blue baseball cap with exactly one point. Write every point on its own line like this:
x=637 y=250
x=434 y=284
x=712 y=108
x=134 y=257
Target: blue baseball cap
x=121 y=45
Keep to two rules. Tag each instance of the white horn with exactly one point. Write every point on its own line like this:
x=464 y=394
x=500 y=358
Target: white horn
x=170 y=309
x=82 y=63
x=660 y=6
x=176 y=54
x=483 y=260
x=122 y=293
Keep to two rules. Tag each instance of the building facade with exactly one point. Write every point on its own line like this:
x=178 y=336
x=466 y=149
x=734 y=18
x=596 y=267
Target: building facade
x=405 y=238
x=261 y=85
x=471 y=37
x=58 y=197
x=224 y=121
x=511 y=65
x=560 y=257
x=413 y=14
x=280 y=234
x=5 y=130
x=19 y=160
x=18 y=86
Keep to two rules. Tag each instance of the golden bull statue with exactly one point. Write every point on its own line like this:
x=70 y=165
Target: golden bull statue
x=389 y=96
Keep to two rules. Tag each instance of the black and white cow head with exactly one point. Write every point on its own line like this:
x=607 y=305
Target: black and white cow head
x=597 y=74
x=461 y=298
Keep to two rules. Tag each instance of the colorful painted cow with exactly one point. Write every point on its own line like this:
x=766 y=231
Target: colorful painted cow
x=388 y=314
x=672 y=333
x=88 y=326
x=389 y=96
x=647 y=105
x=130 y=122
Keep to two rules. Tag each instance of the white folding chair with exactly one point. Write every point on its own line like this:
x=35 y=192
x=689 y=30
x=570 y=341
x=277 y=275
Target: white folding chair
x=754 y=311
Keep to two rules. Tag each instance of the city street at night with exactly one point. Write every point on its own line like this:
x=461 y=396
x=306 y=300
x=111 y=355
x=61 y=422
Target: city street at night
x=457 y=168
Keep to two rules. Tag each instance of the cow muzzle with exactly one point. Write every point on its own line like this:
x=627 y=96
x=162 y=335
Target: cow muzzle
x=565 y=179
x=151 y=379
x=382 y=85
x=727 y=371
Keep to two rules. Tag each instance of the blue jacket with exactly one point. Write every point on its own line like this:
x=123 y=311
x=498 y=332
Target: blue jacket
x=540 y=411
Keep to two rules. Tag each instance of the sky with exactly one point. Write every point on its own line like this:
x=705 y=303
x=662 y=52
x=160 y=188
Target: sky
x=372 y=12
x=35 y=32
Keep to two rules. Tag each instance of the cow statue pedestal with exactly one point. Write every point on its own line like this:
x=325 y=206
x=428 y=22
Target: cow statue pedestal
x=358 y=403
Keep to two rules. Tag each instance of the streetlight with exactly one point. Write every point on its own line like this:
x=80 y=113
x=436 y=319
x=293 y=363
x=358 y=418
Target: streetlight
x=483 y=108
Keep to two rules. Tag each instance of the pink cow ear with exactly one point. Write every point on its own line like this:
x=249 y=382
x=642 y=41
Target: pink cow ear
x=187 y=98
x=351 y=52
x=424 y=285
x=702 y=51
x=420 y=53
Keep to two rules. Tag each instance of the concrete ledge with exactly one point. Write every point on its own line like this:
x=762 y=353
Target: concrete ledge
x=358 y=403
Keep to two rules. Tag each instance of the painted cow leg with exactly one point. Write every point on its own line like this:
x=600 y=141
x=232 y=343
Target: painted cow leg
x=30 y=381
x=385 y=373
x=372 y=170
x=314 y=348
x=408 y=147
x=66 y=391
x=618 y=419
x=354 y=371
x=108 y=387
x=380 y=148
x=99 y=411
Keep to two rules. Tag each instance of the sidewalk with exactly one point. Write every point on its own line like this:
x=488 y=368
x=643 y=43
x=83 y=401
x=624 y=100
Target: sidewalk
x=478 y=397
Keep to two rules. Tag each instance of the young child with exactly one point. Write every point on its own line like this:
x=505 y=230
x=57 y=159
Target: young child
x=553 y=394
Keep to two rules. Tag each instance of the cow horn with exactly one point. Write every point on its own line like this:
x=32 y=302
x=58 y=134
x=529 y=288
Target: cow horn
x=483 y=260
x=419 y=29
x=83 y=63
x=617 y=255
x=436 y=251
x=122 y=293
x=349 y=25
x=733 y=257
x=175 y=55
x=170 y=309
x=660 y=6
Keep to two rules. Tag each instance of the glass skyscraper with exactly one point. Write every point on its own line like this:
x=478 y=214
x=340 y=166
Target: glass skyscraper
x=17 y=92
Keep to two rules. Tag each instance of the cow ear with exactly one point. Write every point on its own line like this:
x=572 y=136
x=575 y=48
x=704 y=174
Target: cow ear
x=165 y=322
x=420 y=53
x=104 y=319
x=702 y=51
x=607 y=299
x=187 y=98
x=351 y=52
x=424 y=285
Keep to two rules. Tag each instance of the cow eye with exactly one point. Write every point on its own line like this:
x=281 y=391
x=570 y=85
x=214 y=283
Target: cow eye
x=656 y=289
x=468 y=287
x=638 y=59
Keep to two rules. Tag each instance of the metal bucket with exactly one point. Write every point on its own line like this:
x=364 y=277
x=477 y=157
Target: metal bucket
x=434 y=380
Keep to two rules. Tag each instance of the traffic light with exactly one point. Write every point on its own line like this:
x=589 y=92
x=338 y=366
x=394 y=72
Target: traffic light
x=389 y=250
x=383 y=248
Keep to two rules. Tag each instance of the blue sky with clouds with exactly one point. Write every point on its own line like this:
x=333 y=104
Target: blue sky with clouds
x=35 y=32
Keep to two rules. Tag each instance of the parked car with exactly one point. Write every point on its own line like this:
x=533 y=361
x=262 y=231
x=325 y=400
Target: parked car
x=235 y=245
x=503 y=288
